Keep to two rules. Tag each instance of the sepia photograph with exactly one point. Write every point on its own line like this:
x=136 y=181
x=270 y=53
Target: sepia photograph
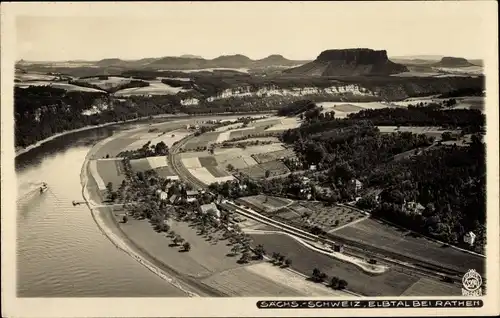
x=266 y=156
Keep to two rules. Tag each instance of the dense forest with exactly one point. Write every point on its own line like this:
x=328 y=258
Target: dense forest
x=42 y=111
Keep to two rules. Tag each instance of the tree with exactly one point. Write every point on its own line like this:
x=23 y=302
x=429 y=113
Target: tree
x=281 y=259
x=342 y=284
x=446 y=136
x=245 y=258
x=125 y=219
x=288 y=262
x=186 y=246
x=260 y=251
x=315 y=273
x=268 y=173
x=230 y=167
x=275 y=256
x=178 y=240
x=161 y=149
x=334 y=282
x=109 y=187
x=235 y=249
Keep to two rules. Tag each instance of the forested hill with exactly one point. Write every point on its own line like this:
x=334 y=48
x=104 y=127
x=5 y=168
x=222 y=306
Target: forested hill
x=447 y=180
x=42 y=111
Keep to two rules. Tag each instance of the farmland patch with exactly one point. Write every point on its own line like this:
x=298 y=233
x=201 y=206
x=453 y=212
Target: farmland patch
x=243 y=283
x=285 y=124
x=191 y=163
x=140 y=165
x=202 y=140
x=293 y=281
x=154 y=88
x=157 y=162
x=328 y=216
x=111 y=171
x=217 y=171
x=238 y=133
x=207 y=161
x=258 y=171
x=273 y=155
x=266 y=203
x=167 y=173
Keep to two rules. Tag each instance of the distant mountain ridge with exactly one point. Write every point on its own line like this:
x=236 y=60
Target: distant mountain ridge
x=349 y=62
x=223 y=61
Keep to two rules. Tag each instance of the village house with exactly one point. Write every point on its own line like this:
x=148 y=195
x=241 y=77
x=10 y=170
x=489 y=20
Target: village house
x=162 y=195
x=313 y=167
x=358 y=185
x=413 y=208
x=192 y=195
x=210 y=209
x=172 y=199
x=305 y=193
x=469 y=238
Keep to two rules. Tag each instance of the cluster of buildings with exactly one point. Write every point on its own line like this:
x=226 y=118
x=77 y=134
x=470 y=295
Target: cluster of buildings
x=191 y=196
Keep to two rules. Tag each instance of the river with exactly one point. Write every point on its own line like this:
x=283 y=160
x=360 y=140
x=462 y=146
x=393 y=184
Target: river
x=60 y=250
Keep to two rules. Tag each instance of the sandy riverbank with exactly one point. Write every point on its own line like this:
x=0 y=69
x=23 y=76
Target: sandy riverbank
x=204 y=271
x=41 y=142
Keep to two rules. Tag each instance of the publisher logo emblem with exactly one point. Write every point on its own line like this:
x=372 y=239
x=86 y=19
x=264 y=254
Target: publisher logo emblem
x=472 y=282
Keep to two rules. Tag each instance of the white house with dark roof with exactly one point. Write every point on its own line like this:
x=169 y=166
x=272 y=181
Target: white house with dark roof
x=470 y=238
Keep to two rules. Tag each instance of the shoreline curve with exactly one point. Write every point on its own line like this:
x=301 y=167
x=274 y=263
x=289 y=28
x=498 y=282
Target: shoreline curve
x=118 y=242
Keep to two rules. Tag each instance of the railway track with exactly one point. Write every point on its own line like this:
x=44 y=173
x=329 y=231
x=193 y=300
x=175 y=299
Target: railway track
x=399 y=262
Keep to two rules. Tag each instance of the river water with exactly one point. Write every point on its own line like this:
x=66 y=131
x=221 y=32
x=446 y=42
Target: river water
x=60 y=250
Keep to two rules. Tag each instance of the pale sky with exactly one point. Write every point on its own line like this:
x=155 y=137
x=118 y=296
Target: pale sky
x=297 y=30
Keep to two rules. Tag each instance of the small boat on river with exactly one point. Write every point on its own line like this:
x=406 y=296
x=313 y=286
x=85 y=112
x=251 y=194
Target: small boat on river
x=43 y=188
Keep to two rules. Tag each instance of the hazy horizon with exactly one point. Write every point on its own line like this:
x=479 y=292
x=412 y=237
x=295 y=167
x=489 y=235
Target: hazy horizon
x=296 y=30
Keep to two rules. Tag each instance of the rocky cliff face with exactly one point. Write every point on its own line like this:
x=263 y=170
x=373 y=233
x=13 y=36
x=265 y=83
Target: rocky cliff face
x=347 y=90
x=448 y=61
x=349 y=62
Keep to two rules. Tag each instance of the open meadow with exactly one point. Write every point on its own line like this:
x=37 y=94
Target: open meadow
x=264 y=279
x=209 y=261
x=62 y=85
x=111 y=170
x=466 y=102
x=201 y=141
x=304 y=260
x=435 y=132
x=285 y=123
x=32 y=76
x=106 y=84
x=155 y=87
x=168 y=137
x=381 y=235
x=159 y=164
x=343 y=109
